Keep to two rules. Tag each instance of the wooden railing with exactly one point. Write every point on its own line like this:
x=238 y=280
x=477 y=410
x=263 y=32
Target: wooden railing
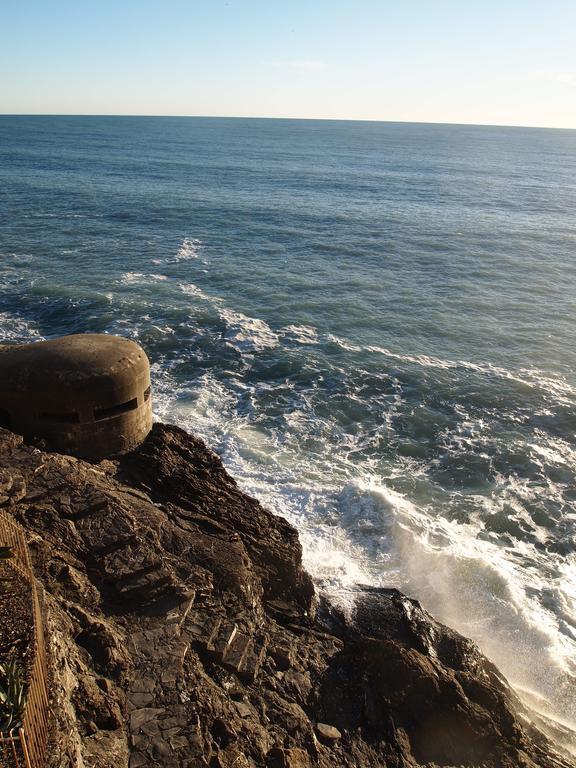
x=25 y=747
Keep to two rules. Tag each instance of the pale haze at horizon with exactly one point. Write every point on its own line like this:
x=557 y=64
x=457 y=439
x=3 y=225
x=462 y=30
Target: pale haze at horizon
x=503 y=63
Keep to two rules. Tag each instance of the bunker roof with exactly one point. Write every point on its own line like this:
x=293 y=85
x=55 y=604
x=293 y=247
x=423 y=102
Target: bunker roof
x=70 y=361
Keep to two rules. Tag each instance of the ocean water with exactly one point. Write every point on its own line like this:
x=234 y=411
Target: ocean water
x=373 y=324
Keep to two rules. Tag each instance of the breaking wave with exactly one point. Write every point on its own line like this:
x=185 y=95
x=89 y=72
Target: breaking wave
x=247 y=334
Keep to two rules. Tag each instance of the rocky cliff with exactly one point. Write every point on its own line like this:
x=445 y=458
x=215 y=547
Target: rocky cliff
x=183 y=631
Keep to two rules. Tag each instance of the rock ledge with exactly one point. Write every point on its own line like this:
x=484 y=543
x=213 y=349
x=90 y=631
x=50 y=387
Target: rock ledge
x=184 y=632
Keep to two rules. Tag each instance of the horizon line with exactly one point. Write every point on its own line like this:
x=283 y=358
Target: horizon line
x=299 y=119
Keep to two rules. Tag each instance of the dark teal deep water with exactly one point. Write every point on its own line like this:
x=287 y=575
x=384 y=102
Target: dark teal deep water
x=374 y=324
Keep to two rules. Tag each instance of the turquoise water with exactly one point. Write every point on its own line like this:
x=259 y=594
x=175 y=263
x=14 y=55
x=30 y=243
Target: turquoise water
x=372 y=323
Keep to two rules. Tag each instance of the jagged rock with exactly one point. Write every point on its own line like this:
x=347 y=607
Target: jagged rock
x=12 y=488
x=5 y=482
x=184 y=632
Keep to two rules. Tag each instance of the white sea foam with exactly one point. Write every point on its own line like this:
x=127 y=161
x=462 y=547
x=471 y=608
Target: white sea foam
x=344 y=343
x=247 y=334
x=15 y=330
x=303 y=334
x=134 y=278
x=193 y=290
x=472 y=584
x=532 y=378
x=555 y=451
x=189 y=249
x=475 y=585
x=204 y=406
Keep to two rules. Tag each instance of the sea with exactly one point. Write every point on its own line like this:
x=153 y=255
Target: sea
x=373 y=324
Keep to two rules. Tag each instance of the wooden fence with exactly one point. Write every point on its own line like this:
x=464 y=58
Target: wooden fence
x=25 y=747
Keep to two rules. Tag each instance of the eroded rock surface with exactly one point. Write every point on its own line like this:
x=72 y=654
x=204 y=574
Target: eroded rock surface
x=184 y=632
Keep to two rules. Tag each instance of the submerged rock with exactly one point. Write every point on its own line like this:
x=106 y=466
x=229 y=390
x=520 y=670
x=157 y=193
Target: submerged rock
x=185 y=632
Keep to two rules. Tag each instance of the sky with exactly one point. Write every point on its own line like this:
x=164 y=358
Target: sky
x=499 y=62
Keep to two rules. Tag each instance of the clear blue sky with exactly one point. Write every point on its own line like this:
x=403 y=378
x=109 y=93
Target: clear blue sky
x=473 y=61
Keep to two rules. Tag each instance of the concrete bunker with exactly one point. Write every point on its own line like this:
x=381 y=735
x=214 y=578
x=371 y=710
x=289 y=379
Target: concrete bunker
x=87 y=394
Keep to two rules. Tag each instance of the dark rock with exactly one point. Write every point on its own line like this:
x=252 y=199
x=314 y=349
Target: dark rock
x=182 y=632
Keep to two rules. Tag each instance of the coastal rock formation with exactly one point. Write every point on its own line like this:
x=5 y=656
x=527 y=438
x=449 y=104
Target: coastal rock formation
x=184 y=631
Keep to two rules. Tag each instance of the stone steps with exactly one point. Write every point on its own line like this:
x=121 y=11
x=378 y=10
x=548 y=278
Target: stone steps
x=233 y=657
x=203 y=629
x=161 y=722
x=252 y=661
x=227 y=645
x=221 y=643
x=179 y=613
